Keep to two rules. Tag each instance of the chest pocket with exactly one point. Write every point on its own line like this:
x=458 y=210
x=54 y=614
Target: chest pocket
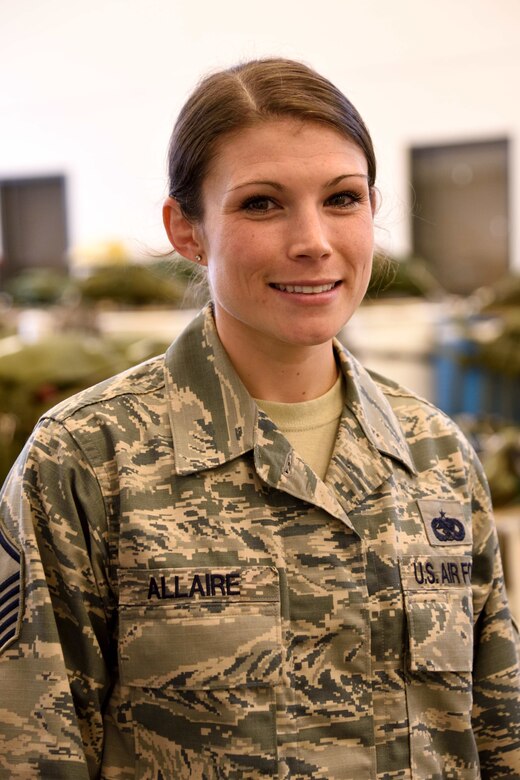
x=200 y=652
x=199 y=628
x=438 y=606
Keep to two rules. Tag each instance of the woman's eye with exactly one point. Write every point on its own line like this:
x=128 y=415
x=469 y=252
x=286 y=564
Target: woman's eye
x=258 y=204
x=343 y=199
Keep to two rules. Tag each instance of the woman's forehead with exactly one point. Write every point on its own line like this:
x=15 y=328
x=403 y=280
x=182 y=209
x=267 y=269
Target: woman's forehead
x=283 y=141
x=286 y=125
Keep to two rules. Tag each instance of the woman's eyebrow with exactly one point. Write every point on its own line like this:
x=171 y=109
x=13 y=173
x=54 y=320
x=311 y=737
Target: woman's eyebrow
x=333 y=182
x=277 y=186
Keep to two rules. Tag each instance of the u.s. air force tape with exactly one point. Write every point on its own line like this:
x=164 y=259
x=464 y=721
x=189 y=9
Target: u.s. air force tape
x=435 y=572
x=10 y=590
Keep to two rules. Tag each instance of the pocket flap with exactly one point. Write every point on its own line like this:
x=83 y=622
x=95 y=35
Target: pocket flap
x=199 y=632
x=440 y=630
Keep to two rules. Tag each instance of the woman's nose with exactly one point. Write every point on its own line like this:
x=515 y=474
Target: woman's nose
x=308 y=237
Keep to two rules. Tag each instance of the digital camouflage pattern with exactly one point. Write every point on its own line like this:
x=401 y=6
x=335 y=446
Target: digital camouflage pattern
x=198 y=604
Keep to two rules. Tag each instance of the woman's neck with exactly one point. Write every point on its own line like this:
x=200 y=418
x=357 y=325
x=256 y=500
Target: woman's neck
x=280 y=372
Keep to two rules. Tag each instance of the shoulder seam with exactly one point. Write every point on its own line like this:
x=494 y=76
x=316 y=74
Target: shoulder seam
x=403 y=392
x=61 y=417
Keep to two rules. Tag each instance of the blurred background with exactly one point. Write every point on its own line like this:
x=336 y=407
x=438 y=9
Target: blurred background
x=88 y=96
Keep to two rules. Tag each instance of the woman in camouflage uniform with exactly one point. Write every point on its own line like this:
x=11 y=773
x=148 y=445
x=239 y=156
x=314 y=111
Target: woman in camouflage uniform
x=250 y=558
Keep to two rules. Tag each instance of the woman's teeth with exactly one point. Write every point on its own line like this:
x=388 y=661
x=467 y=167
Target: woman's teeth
x=305 y=289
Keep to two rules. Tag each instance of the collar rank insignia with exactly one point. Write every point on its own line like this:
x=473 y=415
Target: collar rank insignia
x=444 y=522
x=10 y=590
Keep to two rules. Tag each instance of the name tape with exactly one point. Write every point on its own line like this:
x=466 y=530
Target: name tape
x=207 y=585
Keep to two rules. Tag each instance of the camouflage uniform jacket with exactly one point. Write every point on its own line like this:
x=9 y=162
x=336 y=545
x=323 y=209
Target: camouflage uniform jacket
x=196 y=603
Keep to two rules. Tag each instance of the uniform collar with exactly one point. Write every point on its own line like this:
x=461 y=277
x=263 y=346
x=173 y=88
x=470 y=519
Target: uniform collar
x=373 y=411
x=214 y=419
x=212 y=415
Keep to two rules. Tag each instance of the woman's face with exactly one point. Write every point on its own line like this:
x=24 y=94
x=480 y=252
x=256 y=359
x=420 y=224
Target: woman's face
x=287 y=234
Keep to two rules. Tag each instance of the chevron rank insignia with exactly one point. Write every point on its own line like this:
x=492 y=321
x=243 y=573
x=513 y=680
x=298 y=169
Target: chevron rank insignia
x=10 y=590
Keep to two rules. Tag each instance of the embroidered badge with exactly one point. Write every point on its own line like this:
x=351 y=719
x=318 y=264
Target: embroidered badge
x=444 y=522
x=448 y=529
x=10 y=591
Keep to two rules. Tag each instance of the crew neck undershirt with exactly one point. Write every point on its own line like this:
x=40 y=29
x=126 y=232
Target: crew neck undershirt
x=310 y=426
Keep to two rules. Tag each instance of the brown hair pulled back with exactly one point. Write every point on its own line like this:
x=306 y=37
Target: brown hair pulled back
x=245 y=95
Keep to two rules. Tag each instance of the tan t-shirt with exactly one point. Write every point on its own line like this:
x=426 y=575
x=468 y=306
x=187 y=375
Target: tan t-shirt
x=310 y=426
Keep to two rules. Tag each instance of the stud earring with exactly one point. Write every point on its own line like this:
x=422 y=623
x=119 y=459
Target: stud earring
x=198 y=258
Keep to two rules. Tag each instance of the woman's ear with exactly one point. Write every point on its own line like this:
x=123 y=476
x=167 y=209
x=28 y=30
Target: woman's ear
x=182 y=233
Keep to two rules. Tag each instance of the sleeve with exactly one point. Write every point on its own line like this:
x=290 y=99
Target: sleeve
x=496 y=681
x=56 y=648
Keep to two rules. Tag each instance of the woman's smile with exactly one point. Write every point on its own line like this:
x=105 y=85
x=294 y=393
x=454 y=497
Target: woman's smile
x=305 y=288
